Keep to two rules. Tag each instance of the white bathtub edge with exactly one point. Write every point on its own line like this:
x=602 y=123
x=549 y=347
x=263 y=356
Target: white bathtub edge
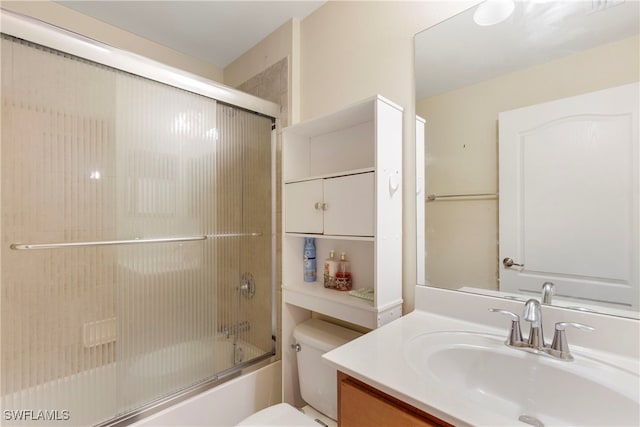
x=225 y=405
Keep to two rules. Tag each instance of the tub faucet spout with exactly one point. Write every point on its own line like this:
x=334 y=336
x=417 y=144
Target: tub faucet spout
x=548 y=290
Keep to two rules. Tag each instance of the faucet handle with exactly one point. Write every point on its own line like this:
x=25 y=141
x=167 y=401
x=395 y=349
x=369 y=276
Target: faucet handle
x=560 y=346
x=560 y=326
x=514 y=317
x=515 y=333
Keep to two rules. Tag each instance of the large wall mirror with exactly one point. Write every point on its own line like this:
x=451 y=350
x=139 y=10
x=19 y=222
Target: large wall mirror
x=532 y=157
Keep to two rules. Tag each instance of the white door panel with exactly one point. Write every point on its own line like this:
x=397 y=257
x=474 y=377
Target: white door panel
x=569 y=196
x=302 y=216
x=350 y=205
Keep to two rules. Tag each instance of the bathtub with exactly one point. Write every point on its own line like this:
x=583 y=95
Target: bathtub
x=169 y=368
x=161 y=363
x=92 y=396
x=224 y=405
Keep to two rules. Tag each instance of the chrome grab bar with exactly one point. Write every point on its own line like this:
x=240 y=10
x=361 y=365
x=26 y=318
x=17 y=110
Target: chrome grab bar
x=213 y=236
x=36 y=246
x=433 y=197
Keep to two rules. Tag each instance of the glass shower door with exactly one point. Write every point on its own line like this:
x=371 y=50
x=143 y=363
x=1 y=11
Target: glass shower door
x=153 y=206
x=245 y=264
x=166 y=150
x=57 y=306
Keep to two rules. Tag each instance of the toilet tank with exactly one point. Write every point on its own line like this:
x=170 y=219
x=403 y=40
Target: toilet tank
x=318 y=383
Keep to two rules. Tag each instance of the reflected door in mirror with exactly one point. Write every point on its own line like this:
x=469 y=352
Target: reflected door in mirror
x=569 y=197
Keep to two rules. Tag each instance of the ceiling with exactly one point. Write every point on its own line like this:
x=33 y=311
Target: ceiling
x=457 y=52
x=216 y=32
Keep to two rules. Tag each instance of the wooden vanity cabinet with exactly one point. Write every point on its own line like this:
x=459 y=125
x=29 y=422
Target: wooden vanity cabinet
x=360 y=405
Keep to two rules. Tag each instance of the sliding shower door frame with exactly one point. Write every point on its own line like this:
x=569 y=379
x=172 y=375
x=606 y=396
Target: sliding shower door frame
x=44 y=34
x=41 y=33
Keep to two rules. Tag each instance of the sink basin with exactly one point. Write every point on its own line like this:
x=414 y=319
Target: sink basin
x=479 y=369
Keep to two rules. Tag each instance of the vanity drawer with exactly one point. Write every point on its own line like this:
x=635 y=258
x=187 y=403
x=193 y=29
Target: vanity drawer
x=360 y=405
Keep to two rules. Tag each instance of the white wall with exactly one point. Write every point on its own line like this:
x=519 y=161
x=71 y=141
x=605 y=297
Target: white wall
x=60 y=16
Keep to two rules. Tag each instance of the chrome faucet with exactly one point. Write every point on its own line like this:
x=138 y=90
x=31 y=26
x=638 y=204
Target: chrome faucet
x=533 y=314
x=548 y=290
x=559 y=348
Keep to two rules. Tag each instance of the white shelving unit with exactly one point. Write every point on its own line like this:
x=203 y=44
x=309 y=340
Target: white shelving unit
x=342 y=177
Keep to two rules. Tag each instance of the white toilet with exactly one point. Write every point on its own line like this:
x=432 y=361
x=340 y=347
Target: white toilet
x=318 y=384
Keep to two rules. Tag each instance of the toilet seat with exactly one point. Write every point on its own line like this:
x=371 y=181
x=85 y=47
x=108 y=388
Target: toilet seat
x=281 y=414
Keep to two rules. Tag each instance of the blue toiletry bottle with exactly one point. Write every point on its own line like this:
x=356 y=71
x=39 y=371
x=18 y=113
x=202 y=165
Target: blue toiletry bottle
x=309 y=259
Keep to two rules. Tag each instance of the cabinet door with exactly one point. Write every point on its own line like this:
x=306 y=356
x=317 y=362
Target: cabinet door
x=349 y=205
x=302 y=215
x=361 y=406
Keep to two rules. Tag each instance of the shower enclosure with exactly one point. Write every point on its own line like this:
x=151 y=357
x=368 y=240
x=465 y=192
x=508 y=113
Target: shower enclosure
x=137 y=231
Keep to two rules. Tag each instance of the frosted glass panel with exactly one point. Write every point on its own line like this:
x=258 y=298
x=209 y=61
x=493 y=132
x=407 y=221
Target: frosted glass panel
x=244 y=194
x=58 y=131
x=165 y=295
x=90 y=153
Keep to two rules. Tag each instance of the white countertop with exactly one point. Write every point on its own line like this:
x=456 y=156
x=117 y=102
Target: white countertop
x=378 y=359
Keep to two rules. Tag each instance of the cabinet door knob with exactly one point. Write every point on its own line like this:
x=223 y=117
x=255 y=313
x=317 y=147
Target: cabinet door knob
x=321 y=206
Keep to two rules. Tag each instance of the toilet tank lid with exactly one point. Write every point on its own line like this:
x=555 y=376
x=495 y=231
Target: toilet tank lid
x=322 y=335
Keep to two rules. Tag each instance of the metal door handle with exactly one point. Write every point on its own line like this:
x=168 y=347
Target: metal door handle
x=508 y=262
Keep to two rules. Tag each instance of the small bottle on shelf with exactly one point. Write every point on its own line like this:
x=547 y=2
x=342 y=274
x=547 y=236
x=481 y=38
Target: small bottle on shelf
x=330 y=268
x=309 y=259
x=343 y=274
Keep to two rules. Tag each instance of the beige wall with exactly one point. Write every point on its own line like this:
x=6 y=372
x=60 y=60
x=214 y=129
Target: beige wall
x=352 y=50
x=345 y=52
x=463 y=159
x=340 y=54
x=266 y=53
x=281 y=44
x=71 y=20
